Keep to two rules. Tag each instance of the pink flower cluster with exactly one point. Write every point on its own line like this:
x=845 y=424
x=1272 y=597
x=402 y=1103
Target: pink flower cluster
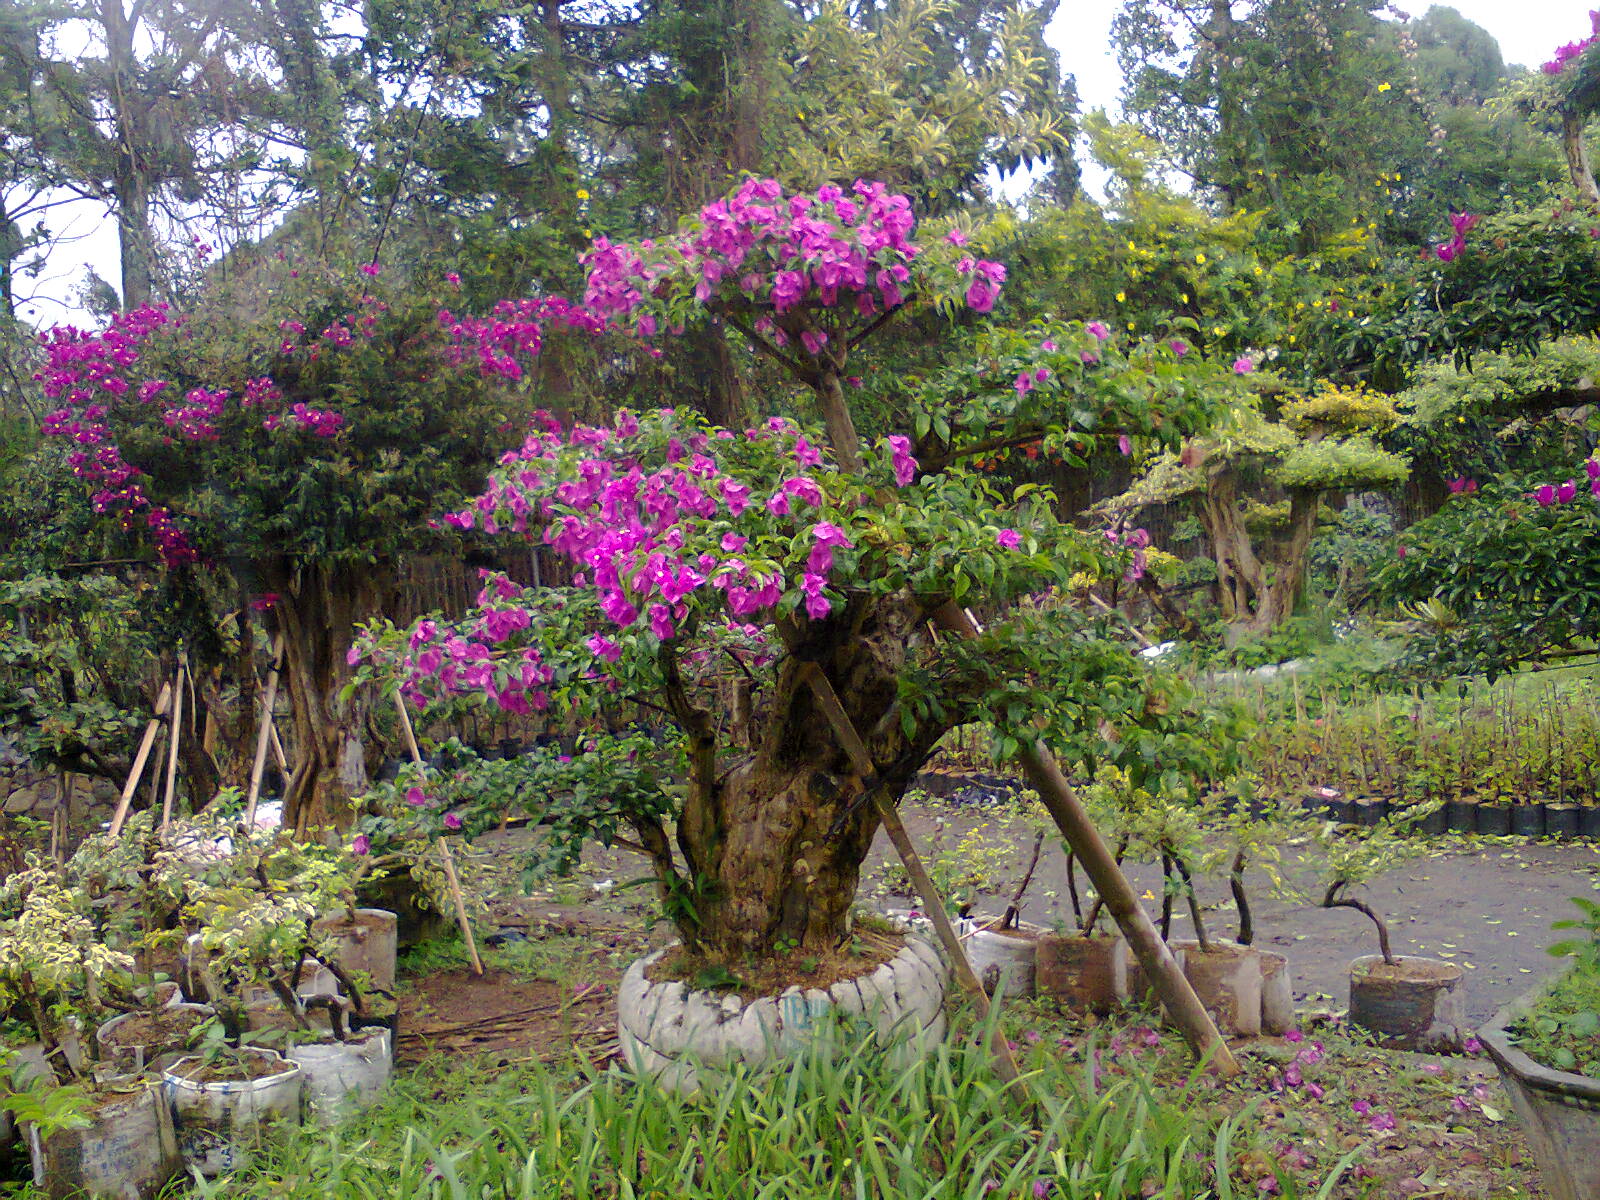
x=1572 y=50
x=1136 y=539
x=1565 y=493
x=1462 y=223
x=779 y=253
x=626 y=527
x=514 y=331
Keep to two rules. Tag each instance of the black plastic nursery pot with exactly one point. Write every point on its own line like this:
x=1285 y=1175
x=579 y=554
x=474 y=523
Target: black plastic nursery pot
x=1561 y=821
x=1527 y=820
x=1371 y=811
x=1342 y=810
x=1559 y=1111
x=1461 y=816
x=1589 y=821
x=1494 y=820
x=1435 y=823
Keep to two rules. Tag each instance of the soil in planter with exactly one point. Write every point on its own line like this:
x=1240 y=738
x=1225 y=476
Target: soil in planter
x=1411 y=970
x=233 y=1067
x=862 y=954
x=154 y=1027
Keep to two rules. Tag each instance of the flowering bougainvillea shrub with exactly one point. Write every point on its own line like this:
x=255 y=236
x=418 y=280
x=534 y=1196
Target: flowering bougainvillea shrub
x=300 y=429
x=714 y=568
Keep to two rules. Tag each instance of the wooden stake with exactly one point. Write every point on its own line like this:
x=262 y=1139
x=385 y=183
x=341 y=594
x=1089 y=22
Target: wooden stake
x=1077 y=827
x=264 y=736
x=149 y=740
x=927 y=891
x=444 y=846
x=172 y=746
x=278 y=755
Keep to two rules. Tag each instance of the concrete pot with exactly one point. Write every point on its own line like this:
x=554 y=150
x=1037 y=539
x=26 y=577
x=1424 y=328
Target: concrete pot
x=367 y=944
x=1559 y=1111
x=1228 y=981
x=1277 y=994
x=682 y=1037
x=1417 y=1005
x=1001 y=957
x=1082 y=974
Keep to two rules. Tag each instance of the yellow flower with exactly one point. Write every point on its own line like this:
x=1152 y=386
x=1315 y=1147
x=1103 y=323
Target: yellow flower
x=1383 y=87
x=1259 y=271
x=1183 y=297
x=1122 y=297
x=1218 y=330
x=1200 y=258
x=1292 y=339
x=583 y=193
x=588 y=233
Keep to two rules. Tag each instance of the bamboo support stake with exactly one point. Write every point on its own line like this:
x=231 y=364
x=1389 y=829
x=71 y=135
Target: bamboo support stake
x=151 y=729
x=932 y=902
x=264 y=735
x=278 y=755
x=444 y=846
x=1077 y=827
x=172 y=746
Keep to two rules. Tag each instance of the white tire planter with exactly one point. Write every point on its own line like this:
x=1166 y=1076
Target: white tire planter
x=676 y=1035
x=220 y=1121
x=341 y=1076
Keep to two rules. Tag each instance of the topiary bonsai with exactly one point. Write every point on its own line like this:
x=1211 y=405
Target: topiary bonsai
x=718 y=573
x=1304 y=445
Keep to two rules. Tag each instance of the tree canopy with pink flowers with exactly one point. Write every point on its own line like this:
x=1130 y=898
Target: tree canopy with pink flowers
x=710 y=563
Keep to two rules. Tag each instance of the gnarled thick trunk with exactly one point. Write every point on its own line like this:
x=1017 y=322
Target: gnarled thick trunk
x=773 y=847
x=317 y=610
x=1255 y=596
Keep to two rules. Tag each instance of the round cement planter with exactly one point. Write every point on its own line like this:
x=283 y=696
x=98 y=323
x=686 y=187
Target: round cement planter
x=1227 y=978
x=1559 y=1111
x=1001 y=957
x=1561 y=821
x=1494 y=820
x=1277 y=994
x=1527 y=820
x=1082 y=974
x=681 y=1036
x=1461 y=816
x=1415 y=1005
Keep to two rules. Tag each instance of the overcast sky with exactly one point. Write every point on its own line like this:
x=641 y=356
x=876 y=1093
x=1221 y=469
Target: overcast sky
x=1527 y=30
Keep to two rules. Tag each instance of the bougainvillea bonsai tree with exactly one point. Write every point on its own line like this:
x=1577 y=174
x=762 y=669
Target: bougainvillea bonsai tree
x=716 y=569
x=1305 y=445
x=299 y=429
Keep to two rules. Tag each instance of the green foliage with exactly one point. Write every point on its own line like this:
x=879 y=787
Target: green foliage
x=1494 y=389
x=1563 y=1029
x=72 y=656
x=1348 y=464
x=1519 y=580
x=839 y=1118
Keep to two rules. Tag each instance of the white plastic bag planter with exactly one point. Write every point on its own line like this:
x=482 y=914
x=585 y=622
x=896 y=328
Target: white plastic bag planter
x=341 y=1076
x=126 y=1152
x=677 y=1035
x=220 y=1121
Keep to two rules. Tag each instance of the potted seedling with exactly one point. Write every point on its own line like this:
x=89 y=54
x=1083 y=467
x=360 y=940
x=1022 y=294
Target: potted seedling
x=130 y=903
x=90 y=1130
x=255 y=909
x=1225 y=975
x=1084 y=967
x=1251 y=835
x=1003 y=950
x=1546 y=1044
x=1409 y=1002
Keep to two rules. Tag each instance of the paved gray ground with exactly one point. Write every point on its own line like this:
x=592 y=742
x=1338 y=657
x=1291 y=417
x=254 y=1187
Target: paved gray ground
x=1487 y=907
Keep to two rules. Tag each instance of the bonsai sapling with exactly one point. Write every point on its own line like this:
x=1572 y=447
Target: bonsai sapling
x=1353 y=859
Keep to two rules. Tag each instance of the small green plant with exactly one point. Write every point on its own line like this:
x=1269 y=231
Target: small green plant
x=1563 y=1030
x=1353 y=859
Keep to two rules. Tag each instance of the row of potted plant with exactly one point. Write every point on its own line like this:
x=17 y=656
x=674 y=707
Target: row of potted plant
x=167 y=997
x=1235 y=835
